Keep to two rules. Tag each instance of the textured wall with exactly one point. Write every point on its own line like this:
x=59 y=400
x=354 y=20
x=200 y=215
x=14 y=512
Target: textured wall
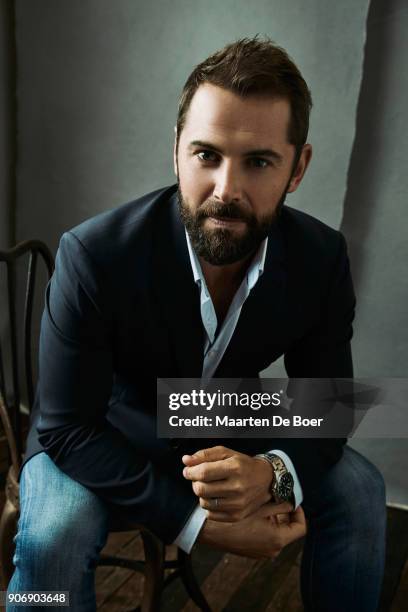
x=7 y=139
x=97 y=94
x=98 y=89
x=375 y=209
x=376 y=221
x=7 y=126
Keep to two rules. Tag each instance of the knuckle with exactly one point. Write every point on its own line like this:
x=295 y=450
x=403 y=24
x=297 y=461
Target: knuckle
x=203 y=503
x=198 y=489
x=201 y=473
x=235 y=465
x=238 y=488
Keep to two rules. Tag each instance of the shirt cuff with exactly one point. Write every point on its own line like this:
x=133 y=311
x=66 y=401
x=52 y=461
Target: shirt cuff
x=297 y=489
x=188 y=535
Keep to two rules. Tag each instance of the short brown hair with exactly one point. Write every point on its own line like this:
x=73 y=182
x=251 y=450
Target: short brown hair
x=254 y=66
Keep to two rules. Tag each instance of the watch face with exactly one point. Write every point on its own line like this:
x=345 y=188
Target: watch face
x=285 y=487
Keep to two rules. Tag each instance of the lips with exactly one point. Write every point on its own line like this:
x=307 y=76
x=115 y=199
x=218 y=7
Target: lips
x=225 y=220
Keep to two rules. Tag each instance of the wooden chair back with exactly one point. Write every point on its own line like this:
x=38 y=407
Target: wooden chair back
x=16 y=352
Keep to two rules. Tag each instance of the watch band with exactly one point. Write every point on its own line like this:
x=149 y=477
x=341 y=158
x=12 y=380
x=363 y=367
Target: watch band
x=281 y=488
x=266 y=459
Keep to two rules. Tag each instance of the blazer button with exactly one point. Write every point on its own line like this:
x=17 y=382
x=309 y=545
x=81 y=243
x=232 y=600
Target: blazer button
x=175 y=443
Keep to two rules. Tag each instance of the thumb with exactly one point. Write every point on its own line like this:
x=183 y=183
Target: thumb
x=298 y=516
x=270 y=510
x=214 y=453
x=296 y=527
x=282 y=508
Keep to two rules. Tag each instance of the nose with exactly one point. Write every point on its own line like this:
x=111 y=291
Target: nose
x=228 y=184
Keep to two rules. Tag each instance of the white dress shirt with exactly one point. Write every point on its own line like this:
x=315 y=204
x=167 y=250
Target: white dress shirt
x=214 y=349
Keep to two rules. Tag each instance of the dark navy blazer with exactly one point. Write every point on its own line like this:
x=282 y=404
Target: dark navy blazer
x=122 y=309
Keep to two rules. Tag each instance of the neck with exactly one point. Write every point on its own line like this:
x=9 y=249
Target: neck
x=228 y=275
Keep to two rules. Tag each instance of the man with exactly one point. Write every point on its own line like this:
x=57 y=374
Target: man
x=212 y=277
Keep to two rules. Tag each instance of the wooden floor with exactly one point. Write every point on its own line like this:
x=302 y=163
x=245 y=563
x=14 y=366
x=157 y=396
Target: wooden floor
x=237 y=584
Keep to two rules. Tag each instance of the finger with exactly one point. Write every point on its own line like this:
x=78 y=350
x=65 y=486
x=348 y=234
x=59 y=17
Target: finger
x=222 y=517
x=282 y=508
x=209 y=490
x=208 y=472
x=296 y=528
x=228 y=512
x=298 y=516
x=214 y=453
x=292 y=531
x=282 y=519
x=218 y=504
x=270 y=510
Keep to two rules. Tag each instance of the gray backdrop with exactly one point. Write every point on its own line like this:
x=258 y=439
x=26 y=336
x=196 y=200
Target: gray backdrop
x=97 y=89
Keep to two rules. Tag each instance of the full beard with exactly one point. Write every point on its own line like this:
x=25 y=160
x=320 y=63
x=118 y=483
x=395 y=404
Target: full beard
x=219 y=246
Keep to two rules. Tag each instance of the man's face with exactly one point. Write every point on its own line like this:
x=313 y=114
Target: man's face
x=234 y=166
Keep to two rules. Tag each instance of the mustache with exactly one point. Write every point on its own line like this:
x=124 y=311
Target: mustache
x=227 y=211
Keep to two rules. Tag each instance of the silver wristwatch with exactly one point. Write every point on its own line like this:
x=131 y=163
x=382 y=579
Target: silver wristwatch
x=282 y=484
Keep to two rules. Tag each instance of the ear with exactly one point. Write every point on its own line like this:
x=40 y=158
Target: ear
x=298 y=174
x=175 y=152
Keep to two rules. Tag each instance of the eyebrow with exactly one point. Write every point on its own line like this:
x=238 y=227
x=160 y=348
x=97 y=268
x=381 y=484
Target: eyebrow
x=253 y=153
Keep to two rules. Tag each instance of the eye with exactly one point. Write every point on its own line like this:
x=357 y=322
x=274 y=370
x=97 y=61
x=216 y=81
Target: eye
x=259 y=162
x=207 y=156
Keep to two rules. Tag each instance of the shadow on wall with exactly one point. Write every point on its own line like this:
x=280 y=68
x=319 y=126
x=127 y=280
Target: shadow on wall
x=362 y=202
x=375 y=223
x=372 y=170
x=7 y=126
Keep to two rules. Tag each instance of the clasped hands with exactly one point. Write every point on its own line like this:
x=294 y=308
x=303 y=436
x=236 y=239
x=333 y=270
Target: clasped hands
x=234 y=490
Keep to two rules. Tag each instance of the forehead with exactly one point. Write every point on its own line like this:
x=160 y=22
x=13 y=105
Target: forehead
x=216 y=112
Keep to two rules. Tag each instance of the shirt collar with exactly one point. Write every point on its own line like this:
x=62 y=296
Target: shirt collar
x=254 y=271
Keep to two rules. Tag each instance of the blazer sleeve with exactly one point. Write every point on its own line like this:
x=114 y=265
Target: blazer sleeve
x=76 y=374
x=324 y=353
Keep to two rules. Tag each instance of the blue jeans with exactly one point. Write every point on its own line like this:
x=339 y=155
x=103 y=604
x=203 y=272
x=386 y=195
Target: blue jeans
x=63 y=527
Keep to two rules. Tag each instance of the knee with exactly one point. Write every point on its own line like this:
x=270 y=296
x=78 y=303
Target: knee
x=371 y=486
x=61 y=534
x=353 y=492
x=364 y=501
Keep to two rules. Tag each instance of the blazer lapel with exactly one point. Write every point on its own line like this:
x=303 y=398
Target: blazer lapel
x=260 y=328
x=177 y=293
